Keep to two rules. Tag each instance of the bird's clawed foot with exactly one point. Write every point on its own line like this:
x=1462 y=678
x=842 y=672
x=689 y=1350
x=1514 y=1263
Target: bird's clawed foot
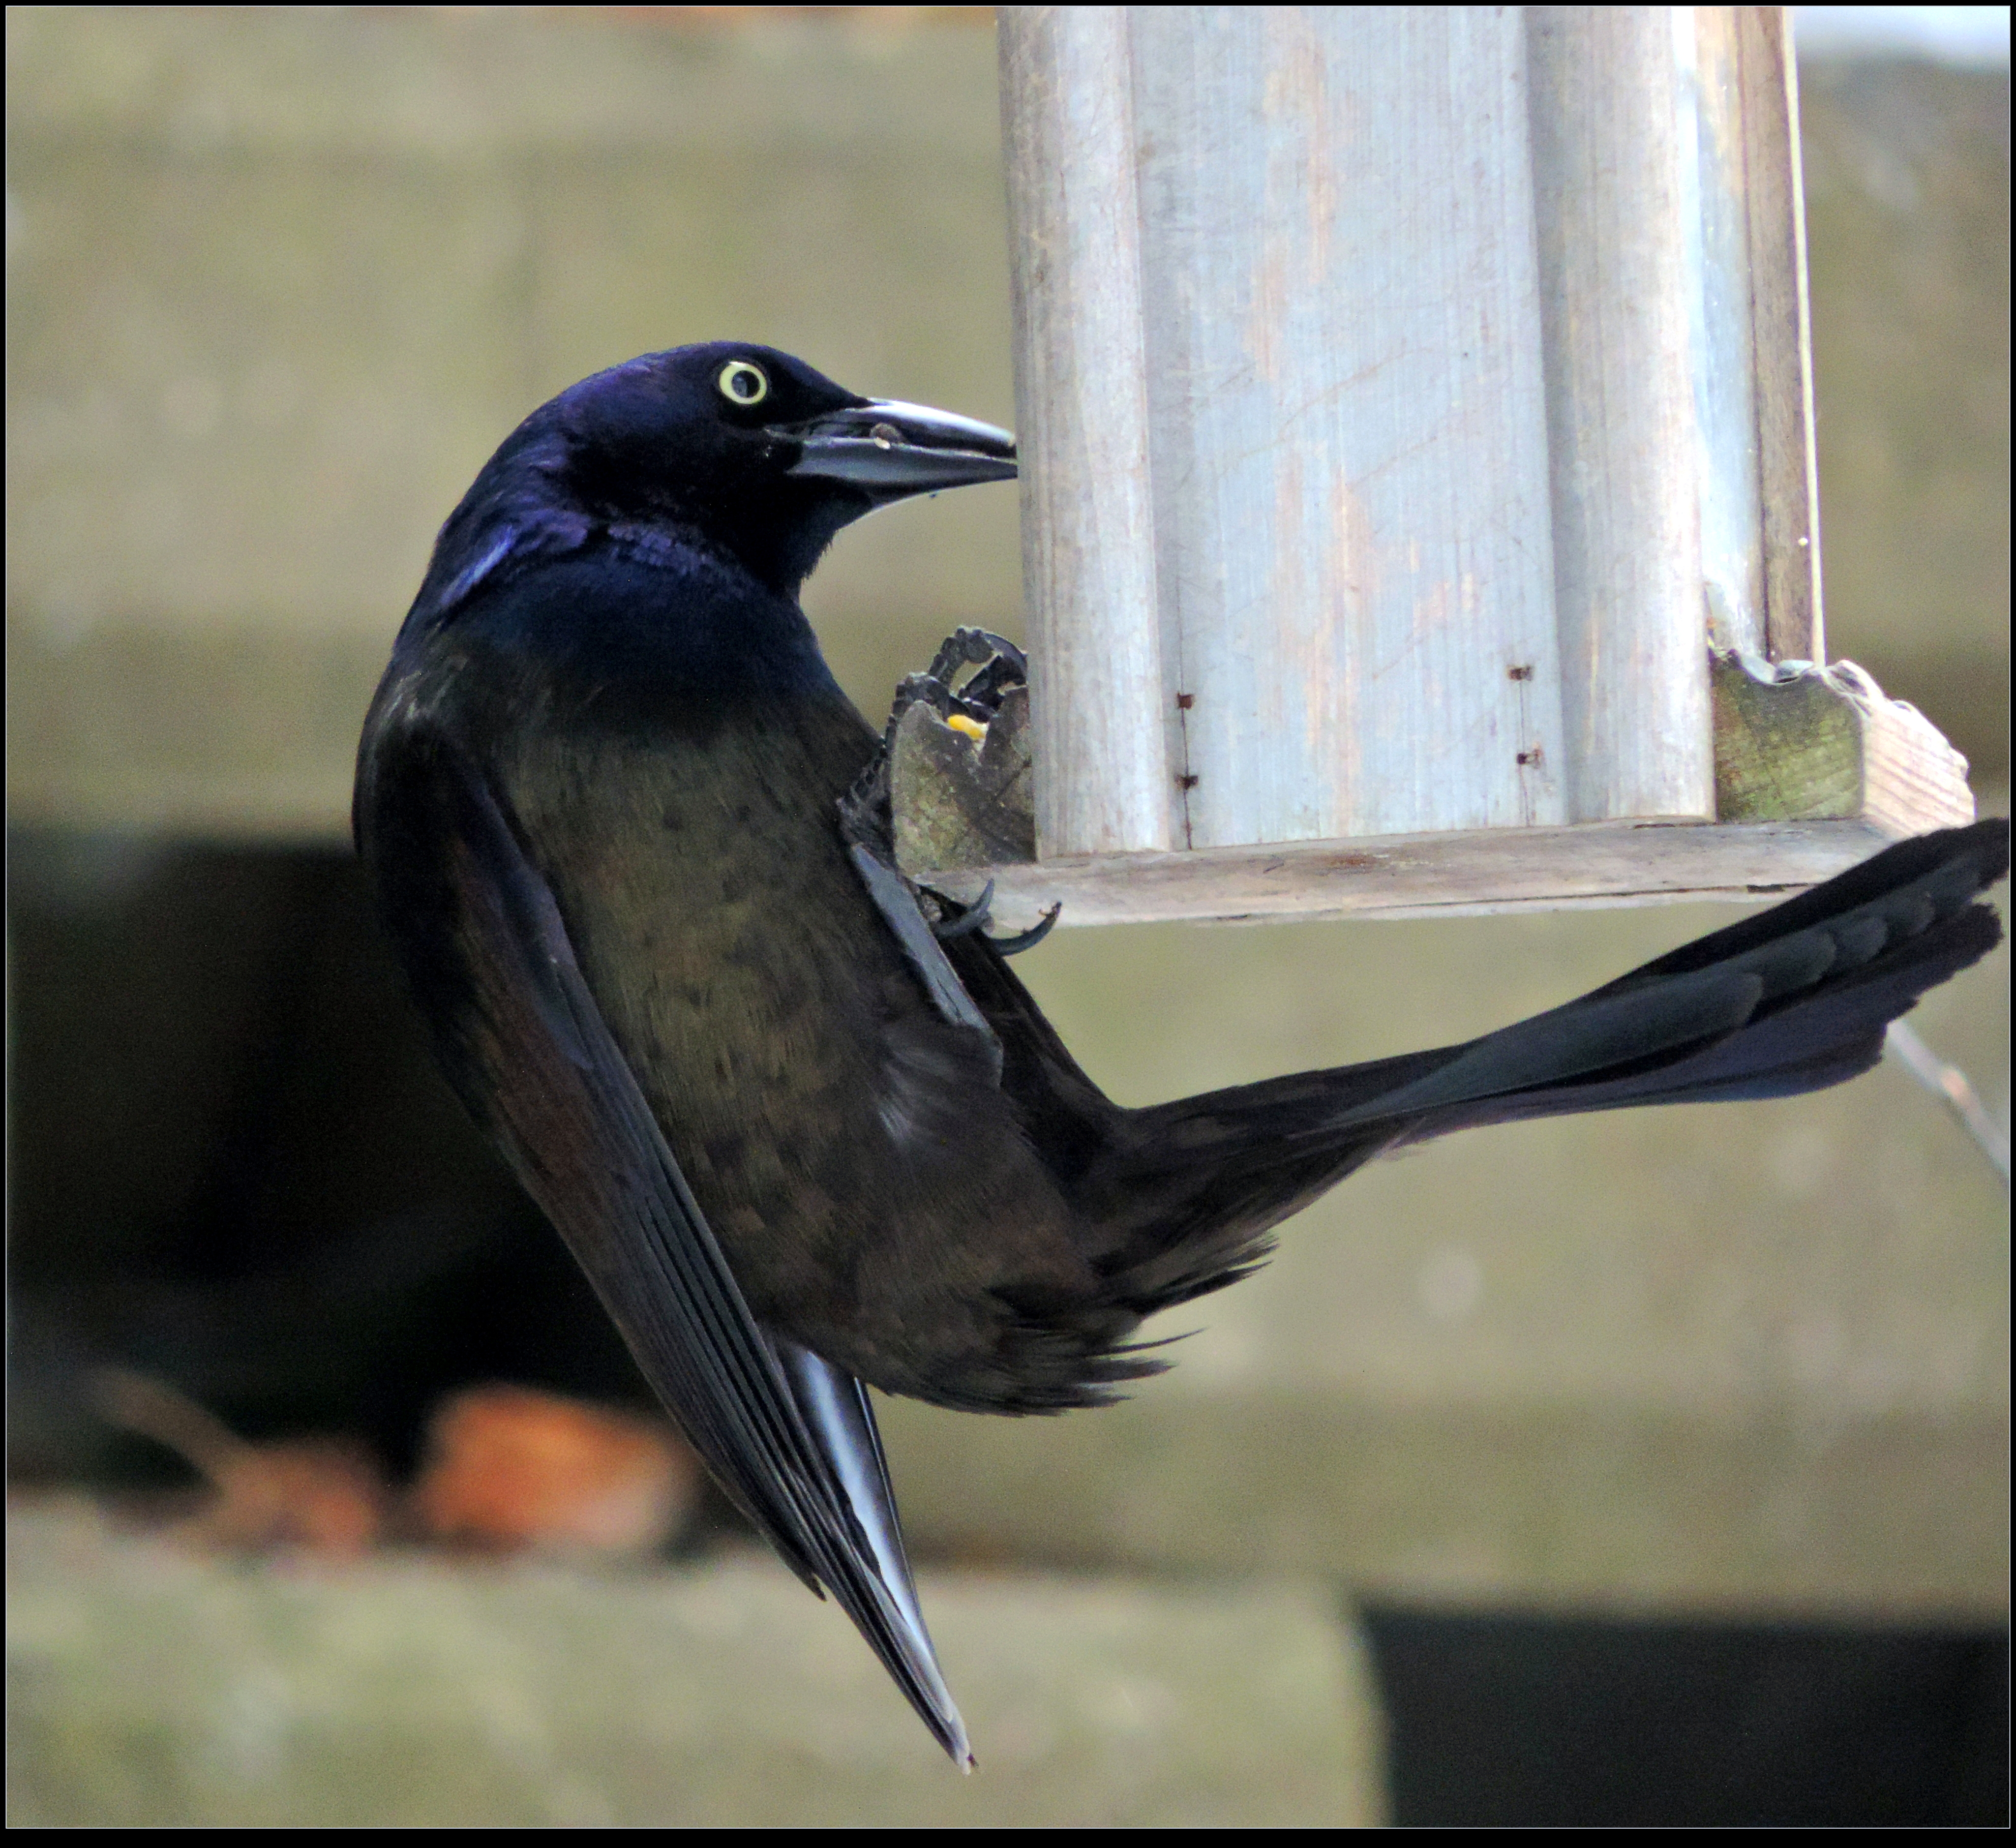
x=978 y=914
x=1028 y=940
x=975 y=917
x=1000 y=665
x=968 y=705
x=864 y=810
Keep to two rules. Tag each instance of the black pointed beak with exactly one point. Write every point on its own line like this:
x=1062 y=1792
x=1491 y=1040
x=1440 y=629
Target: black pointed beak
x=888 y=450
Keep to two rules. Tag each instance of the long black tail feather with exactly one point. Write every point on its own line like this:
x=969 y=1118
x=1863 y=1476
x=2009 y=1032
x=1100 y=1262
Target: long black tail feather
x=1790 y=1000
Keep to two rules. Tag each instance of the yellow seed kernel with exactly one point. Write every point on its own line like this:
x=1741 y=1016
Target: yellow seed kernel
x=970 y=728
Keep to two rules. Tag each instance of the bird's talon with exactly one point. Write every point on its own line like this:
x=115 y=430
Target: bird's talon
x=999 y=664
x=973 y=918
x=1027 y=940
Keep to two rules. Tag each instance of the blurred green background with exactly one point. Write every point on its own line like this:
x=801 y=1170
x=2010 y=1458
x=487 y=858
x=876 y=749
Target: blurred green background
x=278 y=280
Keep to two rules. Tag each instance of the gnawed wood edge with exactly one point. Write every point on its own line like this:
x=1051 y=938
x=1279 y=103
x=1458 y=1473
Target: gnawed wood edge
x=1795 y=741
x=960 y=802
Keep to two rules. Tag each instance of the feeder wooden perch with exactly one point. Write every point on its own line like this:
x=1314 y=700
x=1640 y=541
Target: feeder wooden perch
x=1418 y=498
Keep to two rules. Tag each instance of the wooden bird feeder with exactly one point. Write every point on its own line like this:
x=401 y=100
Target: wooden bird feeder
x=1419 y=501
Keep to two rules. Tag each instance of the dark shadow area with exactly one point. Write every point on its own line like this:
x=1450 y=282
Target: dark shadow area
x=234 y=1168
x=1519 y=1721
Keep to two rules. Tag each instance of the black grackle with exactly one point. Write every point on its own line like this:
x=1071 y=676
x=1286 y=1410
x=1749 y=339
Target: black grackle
x=799 y=1139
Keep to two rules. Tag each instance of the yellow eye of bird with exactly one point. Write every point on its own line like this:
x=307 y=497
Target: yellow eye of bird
x=742 y=383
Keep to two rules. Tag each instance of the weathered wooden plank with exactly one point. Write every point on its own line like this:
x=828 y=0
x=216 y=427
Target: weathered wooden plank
x=1814 y=769
x=1788 y=463
x=1349 y=442
x=965 y=801
x=1614 y=291
x=1105 y=783
x=1722 y=358
x=1449 y=873
x=1804 y=743
x=1408 y=394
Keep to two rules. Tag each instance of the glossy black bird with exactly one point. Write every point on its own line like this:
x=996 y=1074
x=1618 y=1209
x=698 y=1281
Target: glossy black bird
x=797 y=1140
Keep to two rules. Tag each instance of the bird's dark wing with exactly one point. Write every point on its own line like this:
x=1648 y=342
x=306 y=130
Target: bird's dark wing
x=791 y=1439
x=1066 y=1117
x=898 y=904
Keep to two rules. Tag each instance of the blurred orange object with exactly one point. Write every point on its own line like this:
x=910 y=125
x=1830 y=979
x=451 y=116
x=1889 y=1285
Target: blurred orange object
x=324 y=1496
x=508 y=1468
